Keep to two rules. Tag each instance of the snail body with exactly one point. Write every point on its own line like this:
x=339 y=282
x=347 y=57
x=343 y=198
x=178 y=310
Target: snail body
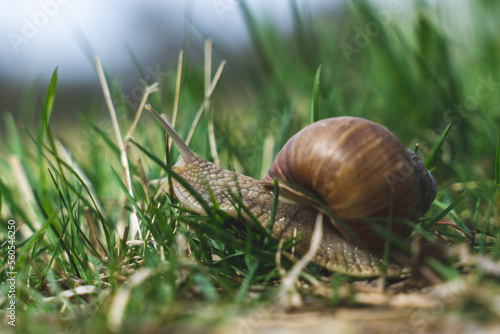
x=395 y=191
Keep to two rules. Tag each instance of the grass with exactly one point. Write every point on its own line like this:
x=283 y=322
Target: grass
x=79 y=268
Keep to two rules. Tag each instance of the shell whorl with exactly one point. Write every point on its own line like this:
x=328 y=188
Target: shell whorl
x=361 y=171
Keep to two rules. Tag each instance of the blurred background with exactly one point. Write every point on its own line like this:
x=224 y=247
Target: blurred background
x=414 y=66
x=135 y=40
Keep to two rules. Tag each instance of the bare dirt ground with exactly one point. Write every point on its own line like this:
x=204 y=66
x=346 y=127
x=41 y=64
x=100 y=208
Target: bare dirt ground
x=459 y=306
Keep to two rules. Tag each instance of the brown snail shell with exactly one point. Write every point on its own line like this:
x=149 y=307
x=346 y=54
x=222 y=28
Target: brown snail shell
x=362 y=172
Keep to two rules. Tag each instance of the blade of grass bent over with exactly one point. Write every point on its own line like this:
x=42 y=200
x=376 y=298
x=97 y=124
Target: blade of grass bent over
x=123 y=156
x=437 y=146
x=445 y=212
x=206 y=101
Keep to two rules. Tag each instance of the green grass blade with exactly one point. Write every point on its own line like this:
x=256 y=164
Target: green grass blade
x=14 y=142
x=449 y=272
x=238 y=203
x=42 y=134
x=497 y=165
x=429 y=160
x=47 y=107
x=206 y=286
x=315 y=96
x=450 y=207
x=101 y=134
x=34 y=238
x=60 y=173
x=245 y=285
x=255 y=35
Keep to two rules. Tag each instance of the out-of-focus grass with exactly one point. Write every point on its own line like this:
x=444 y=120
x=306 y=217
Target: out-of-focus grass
x=414 y=71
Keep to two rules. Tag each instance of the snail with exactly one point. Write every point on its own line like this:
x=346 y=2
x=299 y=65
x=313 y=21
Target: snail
x=367 y=182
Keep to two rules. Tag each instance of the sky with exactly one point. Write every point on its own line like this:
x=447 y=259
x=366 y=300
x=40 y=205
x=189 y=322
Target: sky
x=39 y=36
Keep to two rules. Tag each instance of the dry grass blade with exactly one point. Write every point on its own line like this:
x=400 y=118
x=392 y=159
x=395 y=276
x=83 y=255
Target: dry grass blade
x=208 y=75
x=288 y=282
x=93 y=231
x=120 y=300
x=205 y=101
x=25 y=189
x=77 y=291
x=177 y=93
x=134 y=220
x=33 y=266
x=148 y=90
